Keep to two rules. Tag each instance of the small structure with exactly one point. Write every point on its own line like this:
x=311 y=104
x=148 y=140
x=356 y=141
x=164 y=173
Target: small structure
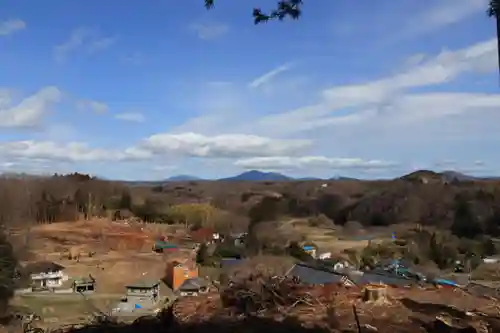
x=239 y=239
x=143 y=294
x=491 y=260
x=84 y=285
x=161 y=246
x=310 y=249
x=46 y=274
x=194 y=287
x=178 y=272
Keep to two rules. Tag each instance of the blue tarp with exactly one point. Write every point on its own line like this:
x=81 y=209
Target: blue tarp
x=308 y=247
x=137 y=306
x=445 y=282
x=165 y=245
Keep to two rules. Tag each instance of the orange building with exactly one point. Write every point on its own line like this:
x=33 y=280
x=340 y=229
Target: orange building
x=178 y=272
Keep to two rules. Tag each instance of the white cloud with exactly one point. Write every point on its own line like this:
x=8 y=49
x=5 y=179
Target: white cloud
x=131 y=116
x=5 y=98
x=377 y=98
x=82 y=38
x=220 y=146
x=29 y=111
x=95 y=106
x=209 y=31
x=267 y=77
x=311 y=162
x=50 y=151
x=10 y=26
x=447 y=12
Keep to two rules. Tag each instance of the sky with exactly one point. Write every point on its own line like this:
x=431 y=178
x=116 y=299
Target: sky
x=144 y=90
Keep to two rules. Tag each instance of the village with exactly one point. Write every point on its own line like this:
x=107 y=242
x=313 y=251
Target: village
x=145 y=271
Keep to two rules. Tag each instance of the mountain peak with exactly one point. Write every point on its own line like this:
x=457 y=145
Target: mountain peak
x=256 y=175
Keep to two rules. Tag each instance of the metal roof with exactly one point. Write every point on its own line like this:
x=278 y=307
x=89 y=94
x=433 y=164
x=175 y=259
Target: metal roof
x=42 y=267
x=230 y=262
x=311 y=275
x=144 y=284
x=193 y=284
x=390 y=280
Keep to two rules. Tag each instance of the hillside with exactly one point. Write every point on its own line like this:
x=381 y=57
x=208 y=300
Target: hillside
x=408 y=199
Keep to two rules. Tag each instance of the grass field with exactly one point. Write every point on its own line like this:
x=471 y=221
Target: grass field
x=64 y=309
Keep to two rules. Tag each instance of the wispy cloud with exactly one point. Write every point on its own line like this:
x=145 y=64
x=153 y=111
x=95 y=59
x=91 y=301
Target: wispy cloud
x=436 y=17
x=209 y=31
x=136 y=117
x=10 y=26
x=95 y=106
x=267 y=77
x=82 y=39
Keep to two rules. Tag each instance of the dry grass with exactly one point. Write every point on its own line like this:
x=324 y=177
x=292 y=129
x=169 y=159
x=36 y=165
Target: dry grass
x=490 y=272
x=57 y=310
x=327 y=239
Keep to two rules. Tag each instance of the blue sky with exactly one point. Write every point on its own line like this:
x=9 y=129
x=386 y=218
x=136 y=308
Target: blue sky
x=150 y=89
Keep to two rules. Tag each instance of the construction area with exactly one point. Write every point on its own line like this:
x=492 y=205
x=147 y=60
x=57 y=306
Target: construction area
x=114 y=253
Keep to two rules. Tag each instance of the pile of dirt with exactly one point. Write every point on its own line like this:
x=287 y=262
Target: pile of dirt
x=99 y=232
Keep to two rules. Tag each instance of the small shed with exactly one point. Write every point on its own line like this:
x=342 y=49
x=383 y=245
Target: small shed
x=163 y=246
x=84 y=285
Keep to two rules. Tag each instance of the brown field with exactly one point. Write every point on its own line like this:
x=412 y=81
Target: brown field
x=123 y=251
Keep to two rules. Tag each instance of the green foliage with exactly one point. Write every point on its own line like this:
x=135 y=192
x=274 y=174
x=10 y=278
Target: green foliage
x=8 y=265
x=227 y=250
x=296 y=251
x=285 y=9
x=493 y=8
x=202 y=256
x=465 y=223
x=125 y=200
x=267 y=209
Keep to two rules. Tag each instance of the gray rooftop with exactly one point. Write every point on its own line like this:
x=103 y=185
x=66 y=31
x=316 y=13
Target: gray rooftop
x=143 y=284
x=193 y=284
x=368 y=278
x=310 y=275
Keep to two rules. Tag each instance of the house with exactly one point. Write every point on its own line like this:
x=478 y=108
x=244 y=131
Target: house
x=46 y=274
x=84 y=285
x=310 y=249
x=194 y=287
x=143 y=294
x=310 y=275
x=178 y=272
x=239 y=239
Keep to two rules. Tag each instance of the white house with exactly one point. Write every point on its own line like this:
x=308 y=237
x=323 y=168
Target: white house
x=46 y=274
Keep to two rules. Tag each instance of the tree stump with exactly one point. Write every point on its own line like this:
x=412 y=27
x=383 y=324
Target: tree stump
x=375 y=293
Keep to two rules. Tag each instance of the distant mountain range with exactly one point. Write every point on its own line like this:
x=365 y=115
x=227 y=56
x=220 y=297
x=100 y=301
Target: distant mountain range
x=251 y=176
x=182 y=178
x=256 y=175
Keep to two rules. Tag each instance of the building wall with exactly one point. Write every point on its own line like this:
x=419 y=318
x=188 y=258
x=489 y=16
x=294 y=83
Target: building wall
x=51 y=279
x=177 y=274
